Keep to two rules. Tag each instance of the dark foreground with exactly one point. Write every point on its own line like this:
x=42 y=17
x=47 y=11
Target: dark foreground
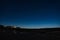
x=8 y=33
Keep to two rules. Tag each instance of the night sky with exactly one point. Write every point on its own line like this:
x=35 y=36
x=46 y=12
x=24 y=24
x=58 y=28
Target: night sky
x=30 y=13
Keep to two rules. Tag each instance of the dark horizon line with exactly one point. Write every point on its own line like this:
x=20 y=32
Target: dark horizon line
x=30 y=28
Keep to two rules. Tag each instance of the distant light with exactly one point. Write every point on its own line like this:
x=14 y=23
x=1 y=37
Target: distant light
x=14 y=26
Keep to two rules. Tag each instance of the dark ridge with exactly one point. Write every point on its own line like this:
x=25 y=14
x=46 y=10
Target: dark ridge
x=29 y=30
x=16 y=33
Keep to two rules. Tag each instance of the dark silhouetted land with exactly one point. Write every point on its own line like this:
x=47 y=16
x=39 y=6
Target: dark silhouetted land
x=12 y=33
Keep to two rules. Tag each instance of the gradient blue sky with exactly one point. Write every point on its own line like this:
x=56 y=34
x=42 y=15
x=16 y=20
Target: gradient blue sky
x=30 y=13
